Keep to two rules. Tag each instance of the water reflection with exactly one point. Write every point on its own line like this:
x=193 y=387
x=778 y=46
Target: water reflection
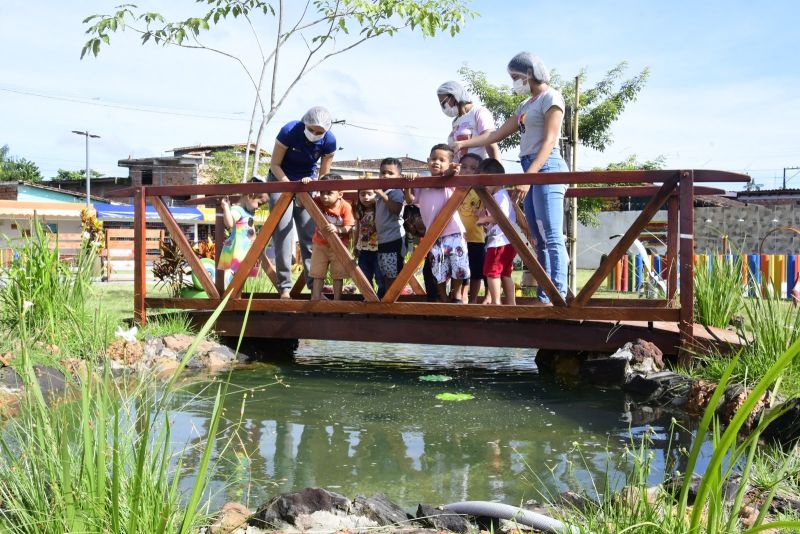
x=355 y=418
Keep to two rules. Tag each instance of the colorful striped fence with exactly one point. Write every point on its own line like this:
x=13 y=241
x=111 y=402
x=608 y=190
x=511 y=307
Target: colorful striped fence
x=779 y=273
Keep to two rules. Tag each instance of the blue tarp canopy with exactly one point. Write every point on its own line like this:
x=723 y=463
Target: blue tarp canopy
x=124 y=212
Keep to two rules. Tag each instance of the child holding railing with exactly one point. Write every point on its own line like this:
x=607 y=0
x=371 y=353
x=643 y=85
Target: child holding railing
x=498 y=263
x=240 y=221
x=448 y=256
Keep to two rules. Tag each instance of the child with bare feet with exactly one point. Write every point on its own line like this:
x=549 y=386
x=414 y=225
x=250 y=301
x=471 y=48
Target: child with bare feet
x=339 y=215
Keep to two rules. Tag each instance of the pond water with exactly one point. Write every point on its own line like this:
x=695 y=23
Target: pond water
x=356 y=418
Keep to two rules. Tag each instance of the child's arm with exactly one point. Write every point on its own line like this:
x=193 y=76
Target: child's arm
x=394 y=207
x=485 y=218
x=227 y=216
x=408 y=196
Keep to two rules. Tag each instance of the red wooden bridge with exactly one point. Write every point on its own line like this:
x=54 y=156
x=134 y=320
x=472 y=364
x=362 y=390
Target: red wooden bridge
x=579 y=322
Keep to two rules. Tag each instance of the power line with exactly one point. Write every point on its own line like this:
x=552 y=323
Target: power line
x=80 y=100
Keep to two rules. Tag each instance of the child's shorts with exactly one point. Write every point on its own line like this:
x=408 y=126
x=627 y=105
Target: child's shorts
x=321 y=257
x=477 y=253
x=390 y=258
x=499 y=261
x=449 y=258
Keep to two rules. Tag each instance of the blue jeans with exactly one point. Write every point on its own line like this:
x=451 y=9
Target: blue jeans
x=368 y=263
x=297 y=216
x=544 y=210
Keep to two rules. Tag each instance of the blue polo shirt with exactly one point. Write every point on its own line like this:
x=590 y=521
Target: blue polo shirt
x=302 y=155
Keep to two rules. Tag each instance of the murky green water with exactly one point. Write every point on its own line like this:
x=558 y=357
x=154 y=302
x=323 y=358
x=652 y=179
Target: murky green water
x=356 y=418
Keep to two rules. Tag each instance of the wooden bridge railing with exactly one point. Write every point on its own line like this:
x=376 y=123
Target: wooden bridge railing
x=677 y=191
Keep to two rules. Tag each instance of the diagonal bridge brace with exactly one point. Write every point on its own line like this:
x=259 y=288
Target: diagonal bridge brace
x=524 y=252
x=625 y=241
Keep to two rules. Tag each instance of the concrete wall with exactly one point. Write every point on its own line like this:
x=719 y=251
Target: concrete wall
x=596 y=241
x=745 y=228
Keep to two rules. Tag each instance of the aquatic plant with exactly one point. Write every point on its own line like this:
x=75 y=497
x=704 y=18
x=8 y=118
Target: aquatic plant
x=49 y=296
x=718 y=291
x=105 y=463
x=640 y=509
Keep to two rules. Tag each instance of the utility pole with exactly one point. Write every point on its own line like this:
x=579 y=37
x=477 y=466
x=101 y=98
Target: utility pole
x=87 y=135
x=573 y=202
x=792 y=176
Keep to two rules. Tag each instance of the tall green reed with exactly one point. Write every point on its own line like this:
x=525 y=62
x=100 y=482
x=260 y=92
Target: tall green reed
x=106 y=462
x=49 y=295
x=732 y=455
x=718 y=291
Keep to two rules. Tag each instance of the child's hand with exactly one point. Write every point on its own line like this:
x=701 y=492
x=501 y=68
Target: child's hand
x=453 y=169
x=225 y=202
x=410 y=175
x=332 y=228
x=305 y=180
x=456 y=146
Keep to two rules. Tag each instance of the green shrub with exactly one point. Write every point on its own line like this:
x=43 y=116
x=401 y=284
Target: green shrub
x=718 y=291
x=51 y=296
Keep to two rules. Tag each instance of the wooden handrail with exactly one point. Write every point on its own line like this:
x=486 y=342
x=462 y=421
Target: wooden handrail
x=600 y=177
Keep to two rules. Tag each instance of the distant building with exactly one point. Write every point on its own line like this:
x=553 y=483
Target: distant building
x=370 y=168
x=99 y=187
x=187 y=166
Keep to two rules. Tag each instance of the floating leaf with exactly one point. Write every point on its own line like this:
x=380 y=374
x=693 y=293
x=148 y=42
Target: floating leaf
x=454 y=396
x=435 y=378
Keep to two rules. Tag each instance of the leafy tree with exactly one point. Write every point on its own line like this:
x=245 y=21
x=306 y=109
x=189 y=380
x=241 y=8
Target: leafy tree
x=64 y=174
x=600 y=105
x=227 y=167
x=326 y=28
x=17 y=169
x=588 y=208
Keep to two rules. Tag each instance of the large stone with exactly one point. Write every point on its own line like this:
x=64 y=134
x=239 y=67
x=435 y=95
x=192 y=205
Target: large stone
x=605 y=371
x=232 y=516
x=785 y=430
x=152 y=348
x=699 y=396
x=431 y=517
x=645 y=350
x=642 y=386
x=9 y=379
x=51 y=381
x=222 y=353
x=380 y=509
x=733 y=399
x=287 y=507
x=178 y=342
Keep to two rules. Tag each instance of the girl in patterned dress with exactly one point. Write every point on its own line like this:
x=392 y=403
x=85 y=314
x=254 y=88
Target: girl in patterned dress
x=240 y=222
x=367 y=239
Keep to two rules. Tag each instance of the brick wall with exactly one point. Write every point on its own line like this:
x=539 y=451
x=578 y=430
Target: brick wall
x=8 y=191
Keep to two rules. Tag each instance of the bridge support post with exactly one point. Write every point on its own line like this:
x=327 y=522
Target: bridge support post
x=686 y=260
x=139 y=257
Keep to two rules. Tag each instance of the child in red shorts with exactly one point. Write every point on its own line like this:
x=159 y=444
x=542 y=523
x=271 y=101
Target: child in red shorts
x=499 y=260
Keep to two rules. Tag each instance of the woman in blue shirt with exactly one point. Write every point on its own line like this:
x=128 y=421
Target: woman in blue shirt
x=298 y=147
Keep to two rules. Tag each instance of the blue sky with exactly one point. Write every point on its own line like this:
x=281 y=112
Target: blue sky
x=722 y=92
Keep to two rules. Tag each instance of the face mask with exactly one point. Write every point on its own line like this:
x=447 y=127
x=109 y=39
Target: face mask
x=450 y=111
x=521 y=87
x=311 y=136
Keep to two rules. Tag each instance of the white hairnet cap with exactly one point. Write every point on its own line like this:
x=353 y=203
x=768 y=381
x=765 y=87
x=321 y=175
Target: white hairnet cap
x=318 y=116
x=529 y=65
x=457 y=90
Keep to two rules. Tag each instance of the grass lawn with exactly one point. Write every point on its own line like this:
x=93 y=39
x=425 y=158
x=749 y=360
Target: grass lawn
x=116 y=299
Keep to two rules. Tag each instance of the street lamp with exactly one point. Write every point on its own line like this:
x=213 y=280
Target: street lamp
x=87 y=135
